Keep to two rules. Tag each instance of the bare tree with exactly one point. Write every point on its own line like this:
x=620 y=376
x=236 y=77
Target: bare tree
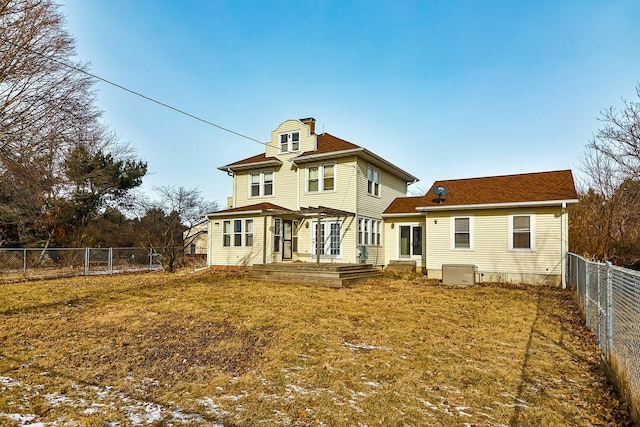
x=606 y=222
x=169 y=219
x=47 y=110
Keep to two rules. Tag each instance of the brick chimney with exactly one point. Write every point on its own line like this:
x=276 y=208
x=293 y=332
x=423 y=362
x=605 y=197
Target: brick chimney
x=311 y=122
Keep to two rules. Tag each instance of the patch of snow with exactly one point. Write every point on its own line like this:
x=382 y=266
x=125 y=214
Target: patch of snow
x=364 y=347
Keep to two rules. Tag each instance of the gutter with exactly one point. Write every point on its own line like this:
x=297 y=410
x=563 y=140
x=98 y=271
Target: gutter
x=356 y=151
x=496 y=205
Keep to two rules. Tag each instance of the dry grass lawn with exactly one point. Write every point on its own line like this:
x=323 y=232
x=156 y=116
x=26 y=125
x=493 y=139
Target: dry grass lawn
x=216 y=349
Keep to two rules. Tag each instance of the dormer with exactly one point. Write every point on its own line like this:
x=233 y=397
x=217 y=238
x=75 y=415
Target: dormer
x=292 y=137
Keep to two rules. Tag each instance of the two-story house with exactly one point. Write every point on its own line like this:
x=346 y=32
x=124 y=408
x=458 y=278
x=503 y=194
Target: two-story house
x=307 y=195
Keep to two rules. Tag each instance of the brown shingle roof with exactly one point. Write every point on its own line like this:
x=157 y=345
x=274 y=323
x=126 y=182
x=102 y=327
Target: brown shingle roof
x=328 y=143
x=258 y=158
x=255 y=207
x=522 y=188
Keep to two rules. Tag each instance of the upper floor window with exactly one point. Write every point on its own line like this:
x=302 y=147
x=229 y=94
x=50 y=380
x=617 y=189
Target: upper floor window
x=289 y=142
x=373 y=181
x=462 y=232
x=522 y=232
x=321 y=178
x=261 y=184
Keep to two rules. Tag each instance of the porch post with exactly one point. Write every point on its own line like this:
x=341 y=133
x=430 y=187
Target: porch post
x=264 y=239
x=318 y=237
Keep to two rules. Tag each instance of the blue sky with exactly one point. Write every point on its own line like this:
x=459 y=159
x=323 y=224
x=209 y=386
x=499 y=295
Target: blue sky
x=443 y=89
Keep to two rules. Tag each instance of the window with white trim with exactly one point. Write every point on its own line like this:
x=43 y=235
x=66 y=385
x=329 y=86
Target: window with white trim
x=237 y=232
x=330 y=241
x=410 y=240
x=277 y=224
x=462 y=233
x=373 y=181
x=248 y=232
x=321 y=178
x=289 y=142
x=522 y=235
x=369 y=231
x=226 y=233
x=261 y=184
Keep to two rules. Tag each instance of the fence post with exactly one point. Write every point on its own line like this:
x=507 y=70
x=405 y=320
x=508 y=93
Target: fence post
x=150 y=259
x=24 y=262
x=587 y=309
x=86 y=261
x=609 y=307
x=110 y=261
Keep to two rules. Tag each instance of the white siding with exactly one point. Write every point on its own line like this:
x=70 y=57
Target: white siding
x=491 y=252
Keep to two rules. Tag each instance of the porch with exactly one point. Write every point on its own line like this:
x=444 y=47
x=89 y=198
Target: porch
x=333 y=275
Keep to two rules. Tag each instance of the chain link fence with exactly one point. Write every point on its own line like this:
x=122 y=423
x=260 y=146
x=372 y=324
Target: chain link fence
x=38 y=263
x=610 y=299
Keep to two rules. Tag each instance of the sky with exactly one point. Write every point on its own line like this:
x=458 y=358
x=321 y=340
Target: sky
x=442 y=89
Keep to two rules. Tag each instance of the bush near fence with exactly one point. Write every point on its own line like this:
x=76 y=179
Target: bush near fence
x=39 y=263
x=610 y=299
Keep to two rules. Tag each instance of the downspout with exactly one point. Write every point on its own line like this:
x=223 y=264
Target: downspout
x=232 y=174
x=563 y=244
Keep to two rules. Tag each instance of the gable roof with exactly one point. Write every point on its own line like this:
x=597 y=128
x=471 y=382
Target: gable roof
x=541 y=188
x=328 y=146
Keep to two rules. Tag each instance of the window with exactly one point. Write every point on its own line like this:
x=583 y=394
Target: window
x=294 y=242
x=373 y=181
x=330 y=243
x=226 y=233
x=289 y=142
x=522 y=232
x=192 y=248
x=410 y=240
x=237 y=232
x=276 y=234
x=261 y=184
x=248 y=232
x=334 y=243
x=321 y=178
x=462 y=232
x=369 y=231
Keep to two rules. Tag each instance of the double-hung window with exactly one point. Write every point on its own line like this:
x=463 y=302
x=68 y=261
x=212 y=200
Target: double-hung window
x=373 y=181
x=522 y=232
x=248 y=232
x=462 y=233
x=226 y=233
x=237 y=232
x=261 y=184
x=321 y=178
x=369 y=231
x=289 y=142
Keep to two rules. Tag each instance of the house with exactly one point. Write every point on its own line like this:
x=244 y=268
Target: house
x=512 y=228
x=196 y=239
x=307 y=197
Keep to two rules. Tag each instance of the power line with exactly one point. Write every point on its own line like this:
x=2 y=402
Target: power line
x=133 y=92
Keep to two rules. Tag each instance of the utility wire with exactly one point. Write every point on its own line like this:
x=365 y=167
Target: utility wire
x=119 y=86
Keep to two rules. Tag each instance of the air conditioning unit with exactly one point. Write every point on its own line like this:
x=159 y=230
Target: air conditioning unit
x=459 y=274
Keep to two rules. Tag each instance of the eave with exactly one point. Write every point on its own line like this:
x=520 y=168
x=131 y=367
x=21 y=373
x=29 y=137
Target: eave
x=360 y=152
x=511 y=205
x=253 y=165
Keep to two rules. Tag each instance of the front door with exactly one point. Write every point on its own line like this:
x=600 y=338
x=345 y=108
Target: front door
x=287 y=238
